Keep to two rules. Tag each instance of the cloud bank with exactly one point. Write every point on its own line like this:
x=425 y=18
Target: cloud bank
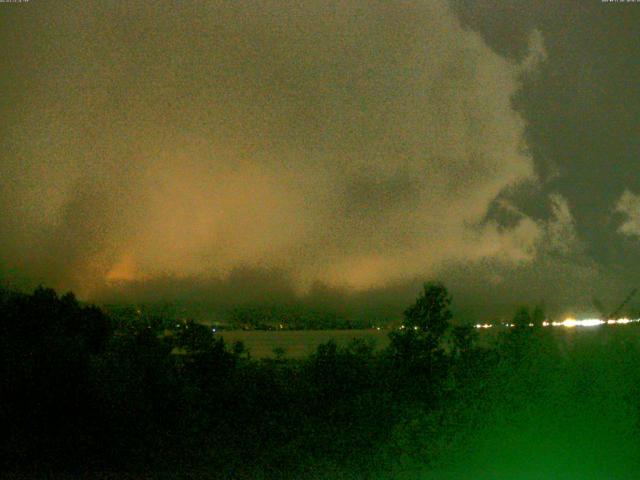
x=629 y=206
x=356 y=144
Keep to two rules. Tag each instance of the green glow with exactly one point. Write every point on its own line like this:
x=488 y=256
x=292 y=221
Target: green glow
x=568 y=410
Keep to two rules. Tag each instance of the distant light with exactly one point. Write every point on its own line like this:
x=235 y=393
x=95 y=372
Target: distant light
x=590 y=322
x=572 y=322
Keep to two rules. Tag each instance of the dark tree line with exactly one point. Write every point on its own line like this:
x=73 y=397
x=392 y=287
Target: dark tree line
x=84 y=391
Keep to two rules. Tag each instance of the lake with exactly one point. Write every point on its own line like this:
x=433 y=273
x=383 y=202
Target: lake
x=299 y=343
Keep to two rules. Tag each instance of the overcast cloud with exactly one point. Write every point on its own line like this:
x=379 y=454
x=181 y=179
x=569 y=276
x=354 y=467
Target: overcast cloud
x=358 y=145
x=629 y=205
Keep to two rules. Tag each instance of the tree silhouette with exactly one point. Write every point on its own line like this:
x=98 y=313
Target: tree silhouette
x=522 y=318
x=538 y=316
x=420 y=364
x=463 y=337
x=430 y=313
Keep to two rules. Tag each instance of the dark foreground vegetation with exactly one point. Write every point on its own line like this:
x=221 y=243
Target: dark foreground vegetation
x=83 y=392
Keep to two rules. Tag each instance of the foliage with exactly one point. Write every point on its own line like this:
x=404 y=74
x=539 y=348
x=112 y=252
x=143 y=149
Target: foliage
x=464 y=338
x=522 y=318
x=46 y=344
x=431 y=312
x=419 y=360
x=132 y=392
x=538 y=316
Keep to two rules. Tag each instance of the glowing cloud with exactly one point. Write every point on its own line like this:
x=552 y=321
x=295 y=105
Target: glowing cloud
x=351 y=143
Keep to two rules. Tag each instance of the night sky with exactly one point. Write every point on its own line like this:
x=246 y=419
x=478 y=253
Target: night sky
x=338 y=150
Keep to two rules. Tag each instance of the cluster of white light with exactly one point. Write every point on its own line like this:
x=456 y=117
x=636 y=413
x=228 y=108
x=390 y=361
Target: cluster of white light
x=572 y=322
x=593 y=322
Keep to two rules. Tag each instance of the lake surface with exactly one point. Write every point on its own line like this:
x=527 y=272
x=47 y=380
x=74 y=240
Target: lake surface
x=299 y=343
